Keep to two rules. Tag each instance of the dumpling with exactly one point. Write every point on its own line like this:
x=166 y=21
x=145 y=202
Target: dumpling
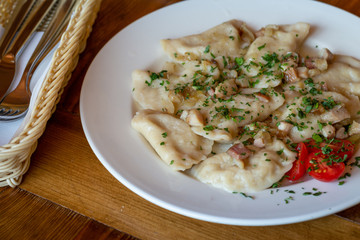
x=344 y=77
x=227 y=39
x=308 y=114
x=150 y=96
x=172 y=139
x=280 y=39
x=225 y=117
x=268 y=52
x=256 y=173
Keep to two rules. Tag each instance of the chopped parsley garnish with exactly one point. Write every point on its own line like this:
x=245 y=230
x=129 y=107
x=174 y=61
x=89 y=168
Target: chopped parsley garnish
x=154 y=76
x=288 y=199
x=309 y=82
x=317 y=138
x=280 y=151
x=207 y=49
x=318 y=193
x=262 y=46
x=271 y=59
x=239 y=61
x=315 y=193
x=225 y=62
x=356 y=163
x=301 y=114
x=252 y=84
x=310 y=104
x=326 y=149
x=243 y=194
x=329 y=103
x=208 y=128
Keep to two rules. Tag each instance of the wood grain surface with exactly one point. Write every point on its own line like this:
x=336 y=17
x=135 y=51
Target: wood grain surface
x=68 y=194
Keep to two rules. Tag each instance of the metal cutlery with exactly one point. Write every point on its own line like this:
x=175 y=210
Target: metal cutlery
x=21 y=10
x=8 y=60
x=16 y=103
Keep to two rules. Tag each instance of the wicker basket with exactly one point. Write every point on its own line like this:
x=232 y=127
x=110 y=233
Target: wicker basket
x=15 y=156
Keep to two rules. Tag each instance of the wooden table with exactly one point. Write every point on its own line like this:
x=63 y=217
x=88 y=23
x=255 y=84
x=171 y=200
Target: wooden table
x=68 y=194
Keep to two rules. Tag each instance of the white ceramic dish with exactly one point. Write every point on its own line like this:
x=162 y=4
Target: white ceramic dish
x=106 y=112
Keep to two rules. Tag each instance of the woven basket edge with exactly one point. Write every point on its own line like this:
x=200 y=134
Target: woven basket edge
x=27 y=140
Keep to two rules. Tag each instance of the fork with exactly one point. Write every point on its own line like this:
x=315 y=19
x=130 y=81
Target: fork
x=16 y=103
x=8 y=61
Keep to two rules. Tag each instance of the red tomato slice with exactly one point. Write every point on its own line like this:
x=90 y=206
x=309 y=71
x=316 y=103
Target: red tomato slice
x=318 y=166
x=323 y=161
x=340 y=149
x=298 y=169
x=311 y=145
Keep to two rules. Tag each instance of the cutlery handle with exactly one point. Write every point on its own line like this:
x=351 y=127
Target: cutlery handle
x=29 y=25
x=22 y=8
x=50 y=37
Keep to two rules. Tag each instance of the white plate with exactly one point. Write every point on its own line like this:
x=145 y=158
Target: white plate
x=106 y=112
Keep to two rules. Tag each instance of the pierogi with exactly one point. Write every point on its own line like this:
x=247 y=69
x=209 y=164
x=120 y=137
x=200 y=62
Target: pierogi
x=231 y=102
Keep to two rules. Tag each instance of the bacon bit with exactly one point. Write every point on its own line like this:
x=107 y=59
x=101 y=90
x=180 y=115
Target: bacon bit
x=314 y=72
x=213 y=61
x=326 y=54
x=316 y=63
x=328 y=131
x=341 y=133
x=292 y=58
x=261 y=139
x=239 y=152
x=262 y=97
x=321 y=64
x=193 y=117
x=285 y=127
x=354 y=128
x=291 y=61
x=303 y=72
x=310 y=63
x=291 y=75
x=281 y=135
x=184 y=115
x=211 y=92
x=259 y=142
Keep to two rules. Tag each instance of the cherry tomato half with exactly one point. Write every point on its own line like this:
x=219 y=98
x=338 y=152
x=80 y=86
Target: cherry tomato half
x=342 y=149
x=298 y=169
x=324 y=161
x=320 y=167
